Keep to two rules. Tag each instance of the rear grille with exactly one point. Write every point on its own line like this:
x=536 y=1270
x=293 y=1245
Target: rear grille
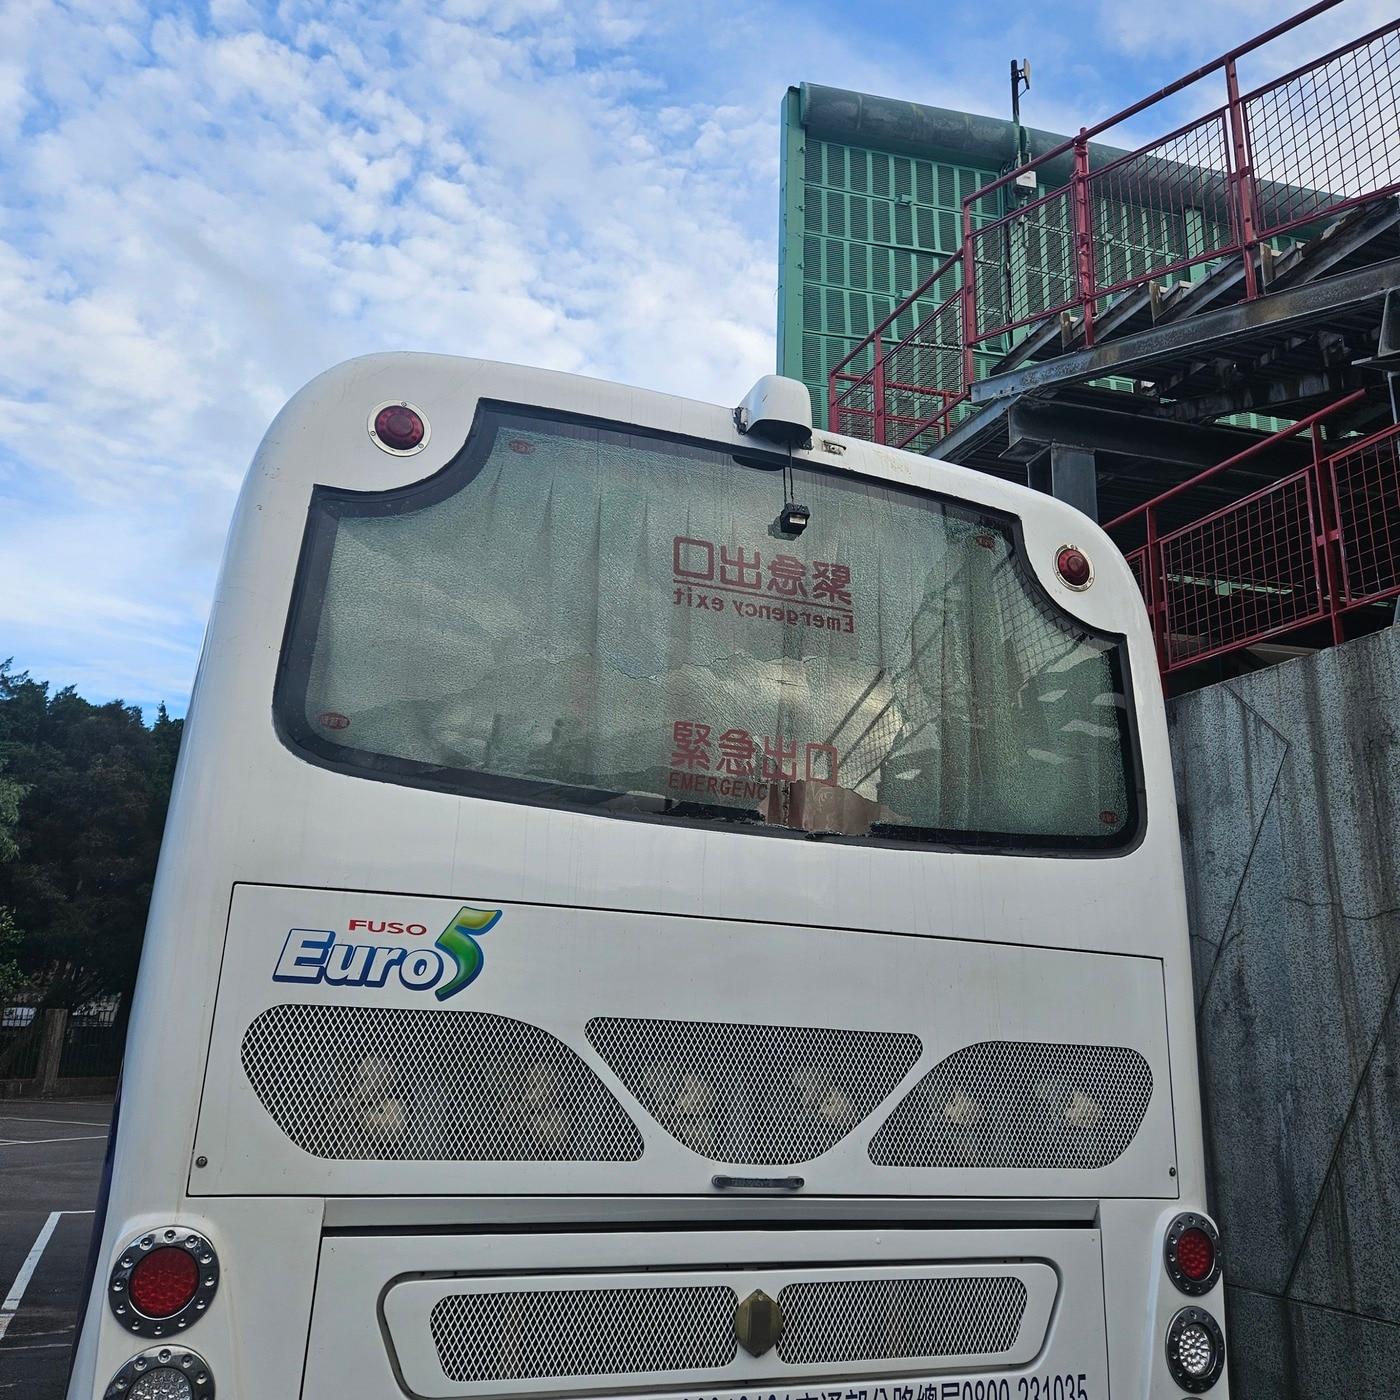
x=753 y=1094
x=583 y=1332
x=901 y=1318
x=1007 y=1103
x=359 y=1083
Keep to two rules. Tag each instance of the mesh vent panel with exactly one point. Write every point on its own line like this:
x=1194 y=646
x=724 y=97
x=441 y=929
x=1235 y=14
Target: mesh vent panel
x=583 y=1332
x=886 y=1319
x=1007 y=1103
x=754 y=1094
x=358 y=1083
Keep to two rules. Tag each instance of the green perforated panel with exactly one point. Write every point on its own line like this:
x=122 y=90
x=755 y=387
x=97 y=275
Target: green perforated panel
x=861 y=228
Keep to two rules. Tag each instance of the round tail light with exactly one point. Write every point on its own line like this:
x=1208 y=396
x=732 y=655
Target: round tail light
x=1195 y=1253
x=1195 y=1349
x=1192 y=1254
x=163 y=1282
x=1074 y=568
x=399 y=428
x=163 y=1373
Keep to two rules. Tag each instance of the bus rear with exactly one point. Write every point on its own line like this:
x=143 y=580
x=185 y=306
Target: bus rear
x=657 y=902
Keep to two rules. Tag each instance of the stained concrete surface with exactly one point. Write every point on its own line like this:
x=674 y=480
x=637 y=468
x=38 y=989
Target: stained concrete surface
x=1288 y=782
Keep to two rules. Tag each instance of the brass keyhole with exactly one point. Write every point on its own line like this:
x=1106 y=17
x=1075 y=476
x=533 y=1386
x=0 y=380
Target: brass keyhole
x=758 y=1323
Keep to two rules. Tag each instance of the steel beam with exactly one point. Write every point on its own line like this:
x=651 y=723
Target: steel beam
x=1262 y=395
x=1210 y=333
x=1069 y=474
x=1035 y=424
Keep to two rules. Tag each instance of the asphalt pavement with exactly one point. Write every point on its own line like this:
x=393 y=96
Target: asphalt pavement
x=50 y=1163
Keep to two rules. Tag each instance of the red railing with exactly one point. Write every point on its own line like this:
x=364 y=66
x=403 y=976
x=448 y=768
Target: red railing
x=1303 y=551
x=1301 y=149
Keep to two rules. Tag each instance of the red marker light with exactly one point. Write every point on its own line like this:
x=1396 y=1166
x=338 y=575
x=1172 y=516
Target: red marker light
x=163 y=1282
x=1073 y=567
x=399 y=427
x=1192 y=1254
x=1195 y=1254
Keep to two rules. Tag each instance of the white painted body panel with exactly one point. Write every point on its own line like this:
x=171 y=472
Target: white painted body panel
x=247 y=811
x=557 y=967
x=518 y=1262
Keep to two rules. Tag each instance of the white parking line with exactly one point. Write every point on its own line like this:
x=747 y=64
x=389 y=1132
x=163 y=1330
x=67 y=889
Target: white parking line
x=34 y=1142
x=10 y=1306
x=30 y=1118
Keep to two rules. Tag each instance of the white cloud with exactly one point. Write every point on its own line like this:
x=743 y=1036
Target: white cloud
x=203 y=210
x=203 y=217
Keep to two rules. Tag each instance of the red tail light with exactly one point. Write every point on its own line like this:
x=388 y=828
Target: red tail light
x=399 y=428
x=1195 y=1252
x=1192 y=1254
x=163 y=1282
x=1074 y=568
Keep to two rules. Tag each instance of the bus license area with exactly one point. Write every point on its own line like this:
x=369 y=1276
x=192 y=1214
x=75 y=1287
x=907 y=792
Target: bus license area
x=1056 y=1385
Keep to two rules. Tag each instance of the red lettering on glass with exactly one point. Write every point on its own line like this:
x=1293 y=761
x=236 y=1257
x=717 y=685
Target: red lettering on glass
x=736 y=751
x=780 y=759
x=736 y=568
x=684 y=562
x=690 y=744
x=831 y=581
x=785 y=575
x=815 y=750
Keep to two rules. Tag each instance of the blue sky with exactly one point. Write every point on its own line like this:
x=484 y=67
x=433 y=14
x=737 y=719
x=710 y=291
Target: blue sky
x=204 y=205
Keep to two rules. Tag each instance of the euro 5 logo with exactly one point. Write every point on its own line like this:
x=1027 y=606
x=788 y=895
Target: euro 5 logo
x=453 y=962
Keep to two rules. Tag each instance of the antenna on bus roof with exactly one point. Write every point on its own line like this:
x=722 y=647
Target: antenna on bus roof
x=778 y=409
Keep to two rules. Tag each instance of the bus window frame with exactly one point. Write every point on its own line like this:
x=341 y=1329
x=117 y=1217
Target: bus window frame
x=328 y=504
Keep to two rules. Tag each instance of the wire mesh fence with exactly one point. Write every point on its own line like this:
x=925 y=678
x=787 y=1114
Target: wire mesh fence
x=1023 y=266
x=853 y=408
x=1311 y=548
x=1326 y=135
x=1242 y=574
x=1365 y=481
x=1287 y=157
x=1163 y=208
x=920 y=378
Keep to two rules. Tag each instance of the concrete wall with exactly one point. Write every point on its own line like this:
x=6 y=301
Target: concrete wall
x=1289 y=785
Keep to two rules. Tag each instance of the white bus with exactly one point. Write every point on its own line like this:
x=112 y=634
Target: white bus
x=657 y=901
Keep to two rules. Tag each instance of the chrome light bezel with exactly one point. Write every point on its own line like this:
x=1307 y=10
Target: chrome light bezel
x=383 y=446
x=166 y=1357
x=129 y=1315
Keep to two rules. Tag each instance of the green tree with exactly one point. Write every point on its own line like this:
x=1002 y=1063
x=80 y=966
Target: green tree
x=10 y=794
x=94 y=785
x=11 y=975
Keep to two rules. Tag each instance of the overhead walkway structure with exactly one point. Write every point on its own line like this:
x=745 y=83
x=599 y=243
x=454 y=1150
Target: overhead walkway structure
x=1229 y=408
